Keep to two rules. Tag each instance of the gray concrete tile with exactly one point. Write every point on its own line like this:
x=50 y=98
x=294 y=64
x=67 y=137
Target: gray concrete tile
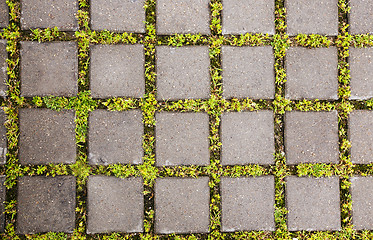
x=248 y=204
x=46 y=136
x=46 y=204
x=311 y=137
x=362 y=205
x=361 y=73
x=313 y=203
x=49 y=69
x=361 y=16
x=247 y=138
x=115 y=204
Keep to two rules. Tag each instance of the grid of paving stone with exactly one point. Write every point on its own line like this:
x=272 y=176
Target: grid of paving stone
x=145 y=118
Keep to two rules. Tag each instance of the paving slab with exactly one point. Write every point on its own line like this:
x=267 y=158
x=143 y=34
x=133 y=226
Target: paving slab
x=312 y=17
x=46 y=136
x=361 y=73
x=117 y=71
x=50 y=14
x=248 y=16
x=361 y=16
x=312 y=73
x=311 y=137
x=118 y=15
x=182 y=205
x=3 y=138
x=313 y=203
x=115 y=204
x=115 y=137
x=46 y=204
x=182 y=139
x=3 y=70
x=247 y=138
x=248 y=204
x=4 y=14
x=2 y=200
x=183 y=72
x=361 y=190
x=360 y=132
x=183 y=16
x=248 y=72
x=49 y=69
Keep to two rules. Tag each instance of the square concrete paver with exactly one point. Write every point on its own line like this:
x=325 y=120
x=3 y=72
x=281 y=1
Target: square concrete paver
x=50 y=14
x=4 y=14
x=3 y=68
x=3 y=138
x=247 y=138
x=311 y=137
x=360 y=130
x=183 y=16
x=115 y=204
x=182 y=139
x=361 y=16
x=313 y=203
x=183 y=72
x=49 y=69
x=248 y=204
x=312 y=17
x=117 y=71
x=46 y=136
x=312 y=73
x=248 y=16
x=2 y=204
x=115 y=137
x=248 y=72
x=361 y=72
x=182 y=205
x=362 y=202
x=46 y=204
x=118 y=15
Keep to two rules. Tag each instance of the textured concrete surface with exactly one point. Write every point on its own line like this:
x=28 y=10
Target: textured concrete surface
x=247 y=138
x=361 y=190
x=3 y=68
x=46 y=136
x=311 y=137
x=49 y=69
x=3 y=138
x=46 y=204
x=248 y=204
x=313 y=203
x=182 y=139
x=115 y=137
x=312 y=17
x=183 y=72
x=312 y=73
x=361 y=72
x=360 y=17
x=4 y=14
x=360 y=131
x=248 y=72
x=183 y=16
x=182 y=205
x=248 y=16
x=117 y=71
x=115 y=204
x=49 y=14
x=118 y=15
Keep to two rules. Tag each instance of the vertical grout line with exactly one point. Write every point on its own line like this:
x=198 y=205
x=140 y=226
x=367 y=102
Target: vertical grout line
x=280 y=170
x=148 y=169
x=214 y=112
x=81 y=169
x=13 y=169
x=343 y=44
